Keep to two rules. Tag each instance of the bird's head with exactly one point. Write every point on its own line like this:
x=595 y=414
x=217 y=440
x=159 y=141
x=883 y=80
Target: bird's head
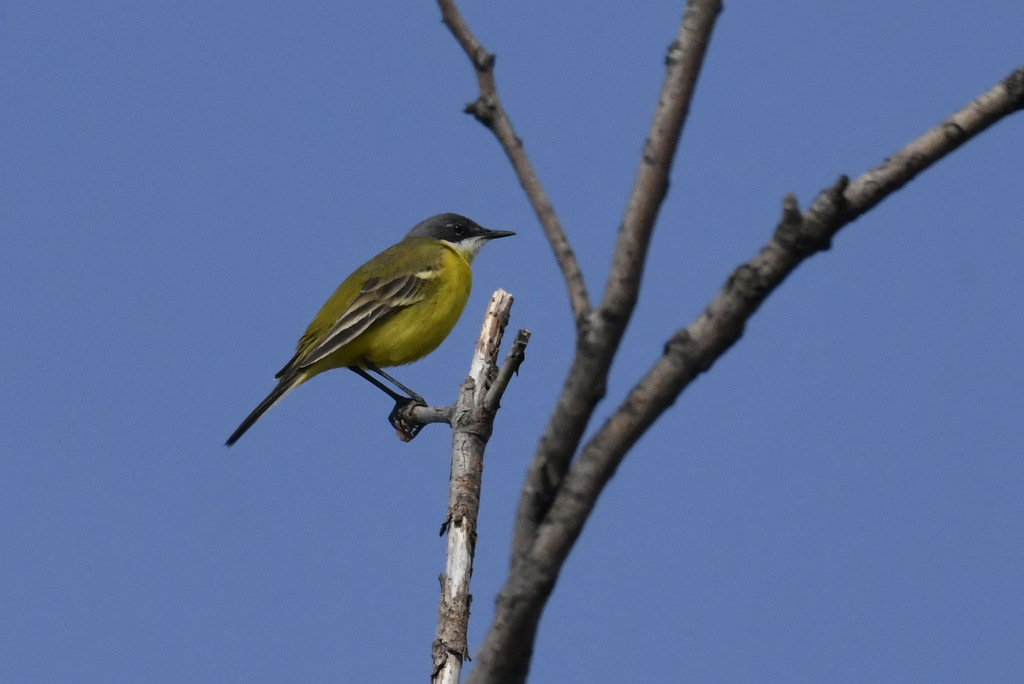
x=464 y=235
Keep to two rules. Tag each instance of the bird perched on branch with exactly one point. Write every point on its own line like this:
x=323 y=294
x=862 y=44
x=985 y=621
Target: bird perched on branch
x=393 y=310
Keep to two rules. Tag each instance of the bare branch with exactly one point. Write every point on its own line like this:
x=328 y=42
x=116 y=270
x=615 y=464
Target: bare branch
x=596 y=346
x=693 y=350
x=515 y=358
x=797 y=237
x=421 y=415
x=488 y=110
x=684 y=60
x=472 y=423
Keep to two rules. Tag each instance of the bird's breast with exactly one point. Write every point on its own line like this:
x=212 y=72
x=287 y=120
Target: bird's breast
x=420 y=328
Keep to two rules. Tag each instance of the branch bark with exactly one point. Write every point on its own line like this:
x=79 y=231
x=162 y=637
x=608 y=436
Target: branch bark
x=598 y=331
x=472 y=420
x=488 y=110
x=559 y=494
x=798 y=236
x=599 y=340
x=692 y=350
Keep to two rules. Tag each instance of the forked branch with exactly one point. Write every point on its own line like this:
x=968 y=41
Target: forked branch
x=559 y=493
x=692 y=350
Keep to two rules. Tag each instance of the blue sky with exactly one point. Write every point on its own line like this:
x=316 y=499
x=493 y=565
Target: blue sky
x=840 y=499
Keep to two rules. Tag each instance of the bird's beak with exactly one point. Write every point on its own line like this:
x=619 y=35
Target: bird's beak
x=493 y=234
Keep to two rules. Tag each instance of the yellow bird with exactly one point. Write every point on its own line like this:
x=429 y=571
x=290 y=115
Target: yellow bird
x=394 y=309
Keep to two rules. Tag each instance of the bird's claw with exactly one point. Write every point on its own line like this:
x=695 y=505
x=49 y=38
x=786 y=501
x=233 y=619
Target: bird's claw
x=401 y=420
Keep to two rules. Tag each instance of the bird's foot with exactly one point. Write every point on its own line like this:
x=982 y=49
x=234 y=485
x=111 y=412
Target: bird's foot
x=402 y=421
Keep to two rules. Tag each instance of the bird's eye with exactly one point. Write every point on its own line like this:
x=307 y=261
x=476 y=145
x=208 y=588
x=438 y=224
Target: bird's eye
x=458 y=229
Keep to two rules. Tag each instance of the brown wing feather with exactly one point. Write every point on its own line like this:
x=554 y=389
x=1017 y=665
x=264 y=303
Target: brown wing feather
x=377 y=302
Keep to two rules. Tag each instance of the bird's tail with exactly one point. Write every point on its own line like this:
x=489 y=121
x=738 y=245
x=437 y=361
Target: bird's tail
x=284 y=386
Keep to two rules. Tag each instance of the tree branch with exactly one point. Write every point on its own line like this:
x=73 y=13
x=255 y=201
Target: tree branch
x=684 y=60
x=692 y=350
x=596 y=346
x=472 y=420
x=488 y=111
x=515 y=358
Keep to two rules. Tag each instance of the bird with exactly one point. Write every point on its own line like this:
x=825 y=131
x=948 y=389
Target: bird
x=394 y=309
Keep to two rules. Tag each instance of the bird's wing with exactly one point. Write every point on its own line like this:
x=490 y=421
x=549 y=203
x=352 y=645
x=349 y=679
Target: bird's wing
x=377 y=301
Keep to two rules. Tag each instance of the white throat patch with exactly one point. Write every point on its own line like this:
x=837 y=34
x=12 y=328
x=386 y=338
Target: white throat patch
x=468 y=248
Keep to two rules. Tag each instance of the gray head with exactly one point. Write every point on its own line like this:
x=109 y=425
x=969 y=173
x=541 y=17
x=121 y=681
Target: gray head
x=465 y=235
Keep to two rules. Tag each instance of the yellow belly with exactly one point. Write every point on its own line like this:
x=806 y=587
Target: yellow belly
x=416 y=330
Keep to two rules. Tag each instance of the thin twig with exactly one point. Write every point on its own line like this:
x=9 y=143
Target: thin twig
x=488 y=111
x=515 y=358
x=422 y=415
x=683 y=64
